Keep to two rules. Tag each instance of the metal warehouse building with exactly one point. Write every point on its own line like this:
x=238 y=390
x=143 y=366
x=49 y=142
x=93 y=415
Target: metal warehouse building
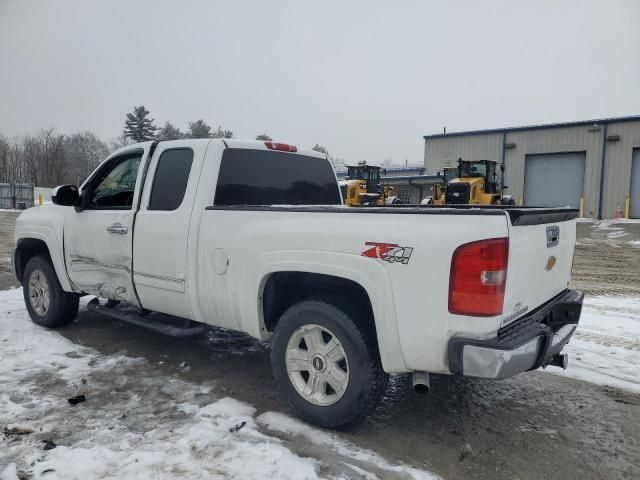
x=593 y=164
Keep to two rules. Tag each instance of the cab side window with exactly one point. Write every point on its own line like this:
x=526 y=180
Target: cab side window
x=116 y=184
x=171 y=178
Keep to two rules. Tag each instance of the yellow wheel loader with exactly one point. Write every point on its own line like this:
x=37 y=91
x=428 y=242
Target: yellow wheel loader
x=362 y=187
x=472 y=182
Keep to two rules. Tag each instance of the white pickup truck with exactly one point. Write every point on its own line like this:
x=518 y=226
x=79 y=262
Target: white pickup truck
x=252 y=236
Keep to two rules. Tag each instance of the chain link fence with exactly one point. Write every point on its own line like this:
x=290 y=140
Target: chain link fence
x=16 y=195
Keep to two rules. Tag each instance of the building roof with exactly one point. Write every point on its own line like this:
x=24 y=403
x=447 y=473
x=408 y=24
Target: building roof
x=535 y=127
x=406 y=178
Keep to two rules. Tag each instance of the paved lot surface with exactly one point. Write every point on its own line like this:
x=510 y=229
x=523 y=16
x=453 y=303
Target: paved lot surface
x=534 y=426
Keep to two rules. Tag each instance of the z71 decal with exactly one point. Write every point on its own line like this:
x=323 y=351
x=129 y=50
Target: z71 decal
x=389 y=252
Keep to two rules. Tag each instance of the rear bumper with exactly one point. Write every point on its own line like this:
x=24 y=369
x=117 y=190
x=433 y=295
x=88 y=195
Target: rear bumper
x=529 y=343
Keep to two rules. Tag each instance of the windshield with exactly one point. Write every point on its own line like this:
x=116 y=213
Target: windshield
x=473 y=170
x=450 y=174
x=117 y=187
x=364 y=173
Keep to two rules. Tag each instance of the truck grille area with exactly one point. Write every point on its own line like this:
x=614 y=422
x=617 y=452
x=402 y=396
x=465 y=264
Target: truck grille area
x=457 y=193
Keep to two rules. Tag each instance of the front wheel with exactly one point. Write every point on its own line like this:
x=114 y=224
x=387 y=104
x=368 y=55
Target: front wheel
x=47 y=303
x=327 y=364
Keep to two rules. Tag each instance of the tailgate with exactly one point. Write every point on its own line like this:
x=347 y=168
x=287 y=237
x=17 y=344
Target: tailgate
x=541 y=246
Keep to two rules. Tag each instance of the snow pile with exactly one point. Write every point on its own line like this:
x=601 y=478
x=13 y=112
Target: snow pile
x=606 y=346
x=138 y=423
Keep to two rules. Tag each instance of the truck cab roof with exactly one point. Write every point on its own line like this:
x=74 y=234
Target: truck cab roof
x=229 y=143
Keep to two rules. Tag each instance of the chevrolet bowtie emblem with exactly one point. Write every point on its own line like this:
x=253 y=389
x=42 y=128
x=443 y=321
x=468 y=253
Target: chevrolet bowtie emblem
x=551 y=262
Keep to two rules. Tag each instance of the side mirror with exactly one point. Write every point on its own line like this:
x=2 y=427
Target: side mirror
x=65 y=195
x=504 y=187
x=502 y=167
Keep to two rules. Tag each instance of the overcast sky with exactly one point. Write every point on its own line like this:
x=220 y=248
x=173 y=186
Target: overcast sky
x=365 y=78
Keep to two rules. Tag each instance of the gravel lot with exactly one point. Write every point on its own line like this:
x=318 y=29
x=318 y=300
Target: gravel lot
x=533 y=426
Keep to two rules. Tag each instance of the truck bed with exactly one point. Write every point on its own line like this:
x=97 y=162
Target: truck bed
x=519 y=215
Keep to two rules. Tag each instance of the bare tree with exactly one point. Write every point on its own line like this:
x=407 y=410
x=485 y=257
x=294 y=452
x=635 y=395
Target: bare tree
x=83 y=153
x=4 y=159
x=119 y=142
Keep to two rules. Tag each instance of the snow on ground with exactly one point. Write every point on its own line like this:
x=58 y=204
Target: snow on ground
x=138 y=423
x=606 y=347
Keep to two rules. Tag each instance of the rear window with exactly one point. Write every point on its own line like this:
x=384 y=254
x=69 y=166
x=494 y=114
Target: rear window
x=260 y=177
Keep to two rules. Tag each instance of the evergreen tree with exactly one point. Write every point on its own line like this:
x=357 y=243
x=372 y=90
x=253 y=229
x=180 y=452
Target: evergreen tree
x=199 y=129
x=220 y=133
x=170 y=132
x=265 y=137
x=138 y=126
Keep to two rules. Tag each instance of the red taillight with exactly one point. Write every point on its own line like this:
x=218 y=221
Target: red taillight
x=281 y=147
x=478 y=276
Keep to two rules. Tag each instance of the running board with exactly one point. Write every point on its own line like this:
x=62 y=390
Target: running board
x=156 y=321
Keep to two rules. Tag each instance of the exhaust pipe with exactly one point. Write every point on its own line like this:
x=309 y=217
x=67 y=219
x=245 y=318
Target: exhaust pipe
x=560 y=360
x=420 y=382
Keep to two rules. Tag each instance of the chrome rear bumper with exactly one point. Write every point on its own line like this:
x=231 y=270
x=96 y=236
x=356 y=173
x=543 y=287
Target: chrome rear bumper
x=530 y=342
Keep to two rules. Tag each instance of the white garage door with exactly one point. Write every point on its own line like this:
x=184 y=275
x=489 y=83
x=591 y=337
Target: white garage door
x=554 y=180
x=634 y=207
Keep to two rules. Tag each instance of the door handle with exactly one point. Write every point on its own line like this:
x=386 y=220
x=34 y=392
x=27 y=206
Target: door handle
x=117 y=228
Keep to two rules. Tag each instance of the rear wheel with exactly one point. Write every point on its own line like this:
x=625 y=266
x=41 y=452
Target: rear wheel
x=47 y=303
x=327 y=364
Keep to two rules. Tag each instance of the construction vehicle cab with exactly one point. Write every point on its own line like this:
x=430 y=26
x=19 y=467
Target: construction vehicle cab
x=362 y=186
x=472 y=182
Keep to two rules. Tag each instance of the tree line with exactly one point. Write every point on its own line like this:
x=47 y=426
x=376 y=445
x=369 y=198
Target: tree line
x=49 y=158
x=139 y=127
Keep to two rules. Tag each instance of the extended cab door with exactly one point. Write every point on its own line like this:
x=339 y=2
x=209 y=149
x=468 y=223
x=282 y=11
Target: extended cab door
x=98 y=238
x=163 y=223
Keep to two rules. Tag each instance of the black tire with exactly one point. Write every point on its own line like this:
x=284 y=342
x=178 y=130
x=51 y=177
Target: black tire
x=367 y=381
x=62 y=306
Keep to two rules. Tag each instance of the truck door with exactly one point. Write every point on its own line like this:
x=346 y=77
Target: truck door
x=160 y=245
x=98 y=239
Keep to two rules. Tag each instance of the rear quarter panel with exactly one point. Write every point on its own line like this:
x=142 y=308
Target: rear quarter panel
x=410 y=301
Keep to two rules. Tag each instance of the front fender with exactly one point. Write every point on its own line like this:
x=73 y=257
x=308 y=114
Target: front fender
x=371 y=276
x=45 y=223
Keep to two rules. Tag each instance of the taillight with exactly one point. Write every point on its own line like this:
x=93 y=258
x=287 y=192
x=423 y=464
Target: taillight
x=478 y=276
x=281 y=147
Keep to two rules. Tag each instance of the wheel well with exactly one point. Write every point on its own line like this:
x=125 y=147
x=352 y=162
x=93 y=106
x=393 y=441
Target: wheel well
x=27 y=249
x=283 y=289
